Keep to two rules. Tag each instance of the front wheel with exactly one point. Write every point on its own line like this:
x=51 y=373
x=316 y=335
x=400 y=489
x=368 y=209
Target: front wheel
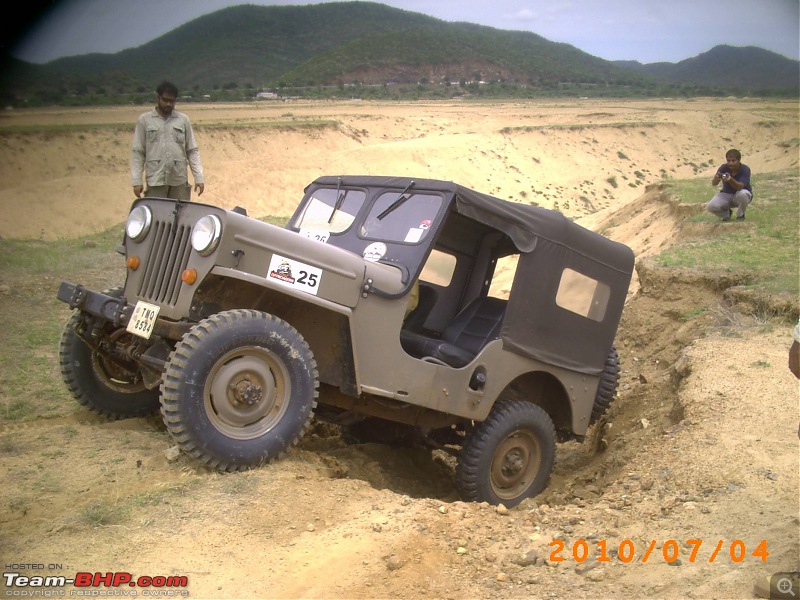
x=509 y=456
x=104 y=379
x=239 y=389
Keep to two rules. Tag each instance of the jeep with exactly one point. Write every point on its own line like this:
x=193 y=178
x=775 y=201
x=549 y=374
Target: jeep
x=400 y=309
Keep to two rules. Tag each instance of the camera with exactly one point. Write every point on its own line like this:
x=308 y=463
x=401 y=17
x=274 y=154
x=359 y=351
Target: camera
x=724 y=176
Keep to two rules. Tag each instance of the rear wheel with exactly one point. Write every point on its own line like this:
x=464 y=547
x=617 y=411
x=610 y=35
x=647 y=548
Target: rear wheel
x=103 y=378
x=607 y=388
x=239 y=389
x=509 y=456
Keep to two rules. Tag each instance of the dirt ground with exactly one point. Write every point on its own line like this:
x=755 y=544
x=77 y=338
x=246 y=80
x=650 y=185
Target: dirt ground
x=701 y=443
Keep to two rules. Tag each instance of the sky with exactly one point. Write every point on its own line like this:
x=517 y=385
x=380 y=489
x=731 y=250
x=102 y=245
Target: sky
x=644 y=30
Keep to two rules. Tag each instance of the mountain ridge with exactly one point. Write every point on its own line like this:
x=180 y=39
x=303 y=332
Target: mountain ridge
x=342 y=43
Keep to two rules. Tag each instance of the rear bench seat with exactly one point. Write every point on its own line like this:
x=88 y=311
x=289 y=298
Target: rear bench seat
x=475 y=326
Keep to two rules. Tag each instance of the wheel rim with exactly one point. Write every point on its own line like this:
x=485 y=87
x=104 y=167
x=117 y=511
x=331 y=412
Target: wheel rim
x=515 y=464
x=247 y=392
x=117 y=374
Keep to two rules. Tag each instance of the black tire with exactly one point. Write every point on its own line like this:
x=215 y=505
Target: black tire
x=111 y=388
x=239 y=389
x=607 y=388
x=509 y=456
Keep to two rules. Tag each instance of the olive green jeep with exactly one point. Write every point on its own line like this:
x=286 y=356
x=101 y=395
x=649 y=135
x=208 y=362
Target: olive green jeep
x=403 y=310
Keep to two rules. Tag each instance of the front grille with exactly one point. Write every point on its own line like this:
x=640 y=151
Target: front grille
x=168 y=258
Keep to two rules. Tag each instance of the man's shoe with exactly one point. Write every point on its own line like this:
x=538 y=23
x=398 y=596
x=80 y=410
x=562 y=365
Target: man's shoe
x=725 y=219
x=740 y=218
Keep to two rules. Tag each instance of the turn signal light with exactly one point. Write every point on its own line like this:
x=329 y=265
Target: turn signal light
x=189 y=276
x=132 y=262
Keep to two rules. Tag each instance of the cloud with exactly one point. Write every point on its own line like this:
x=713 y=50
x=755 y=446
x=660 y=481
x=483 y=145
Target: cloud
x=547 y=13
x=525 y=14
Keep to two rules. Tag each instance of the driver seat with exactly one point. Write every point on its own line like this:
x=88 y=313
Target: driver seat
x=475 y=326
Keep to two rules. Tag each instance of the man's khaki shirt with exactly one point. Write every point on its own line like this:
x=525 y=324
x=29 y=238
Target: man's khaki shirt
x=164 y=147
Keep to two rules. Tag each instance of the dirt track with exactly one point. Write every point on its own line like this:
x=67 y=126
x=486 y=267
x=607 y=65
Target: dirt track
x=702 y=441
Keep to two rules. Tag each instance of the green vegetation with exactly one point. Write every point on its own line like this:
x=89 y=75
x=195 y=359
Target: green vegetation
x=766 y=245
x=471 y=53
x=580 y=127
x=64 y=128
x=101 y=514
x=279 y=125
x=372 y=51
x=37 y=258
x=692 y=191
x=75 y=128
x=275 y=220
x=31 y=318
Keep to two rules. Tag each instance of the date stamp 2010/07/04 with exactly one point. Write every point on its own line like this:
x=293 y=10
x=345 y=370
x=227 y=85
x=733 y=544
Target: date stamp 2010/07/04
x=670 y=551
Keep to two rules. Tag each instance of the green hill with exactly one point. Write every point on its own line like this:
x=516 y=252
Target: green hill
x=242 y=49
x=456 y=52
x=746 y=68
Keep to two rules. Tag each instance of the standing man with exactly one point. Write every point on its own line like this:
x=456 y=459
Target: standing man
x=736 y=191
x=163 y=146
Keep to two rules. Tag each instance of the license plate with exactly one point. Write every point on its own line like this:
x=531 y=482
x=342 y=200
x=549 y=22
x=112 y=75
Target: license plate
x=143 y=319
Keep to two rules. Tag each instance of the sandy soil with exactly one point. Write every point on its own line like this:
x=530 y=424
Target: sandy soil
x=701 y=443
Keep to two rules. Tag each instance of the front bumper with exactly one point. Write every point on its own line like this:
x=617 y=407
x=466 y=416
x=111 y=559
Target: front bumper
x=114 y=310
x=111 y=309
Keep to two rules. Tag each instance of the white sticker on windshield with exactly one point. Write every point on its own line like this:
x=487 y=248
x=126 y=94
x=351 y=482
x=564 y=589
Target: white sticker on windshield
x=375 y=251
x=316 y=234
x=414 y=235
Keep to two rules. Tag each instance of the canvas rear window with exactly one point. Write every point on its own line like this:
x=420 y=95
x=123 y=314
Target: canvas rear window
x=583 y=295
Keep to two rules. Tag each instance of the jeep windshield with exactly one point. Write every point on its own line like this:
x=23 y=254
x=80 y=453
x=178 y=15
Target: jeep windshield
x=394 y=216
x=329 y=211
x=405 y=218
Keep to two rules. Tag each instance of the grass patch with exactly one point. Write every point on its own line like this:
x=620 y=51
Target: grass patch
x=37 y=257
x=291 y=125
x=693 y=314
x=766 y=245
x=278 y=221
x=32 y=319
x=64 y=128
x=579 y=127
x=101 y=515
x=298 y=125
x=691 y=191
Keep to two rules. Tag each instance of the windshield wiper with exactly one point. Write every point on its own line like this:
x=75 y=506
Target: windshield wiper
x=339 y=200
x=396 y=204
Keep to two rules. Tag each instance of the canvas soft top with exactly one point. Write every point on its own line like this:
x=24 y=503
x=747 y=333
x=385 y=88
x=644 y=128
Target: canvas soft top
x=535 y=324
x=523 y=224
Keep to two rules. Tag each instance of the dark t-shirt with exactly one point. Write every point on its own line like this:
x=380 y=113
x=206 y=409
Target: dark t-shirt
x=743 y=177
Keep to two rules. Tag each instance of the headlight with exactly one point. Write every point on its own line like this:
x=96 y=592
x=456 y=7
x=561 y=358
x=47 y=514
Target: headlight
x=138 y=223
x=206 y=234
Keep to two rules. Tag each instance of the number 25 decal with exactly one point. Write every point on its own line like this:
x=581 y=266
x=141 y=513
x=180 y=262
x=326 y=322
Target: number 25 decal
x=295 y=274
x=309 y=279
